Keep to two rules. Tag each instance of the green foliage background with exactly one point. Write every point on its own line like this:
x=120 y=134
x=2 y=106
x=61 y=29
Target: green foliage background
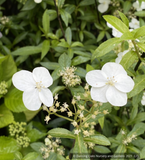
x=59 y=34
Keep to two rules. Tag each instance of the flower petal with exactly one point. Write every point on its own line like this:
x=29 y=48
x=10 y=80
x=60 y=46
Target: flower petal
x=99 y=94
x=115 y=97
x=31 y=99
x=124 y=83
x=42 y=74
x=103 y=7
x=113 y=69
x=37 y=1
x=96 y=78
x=46 y=97
x=23 y=80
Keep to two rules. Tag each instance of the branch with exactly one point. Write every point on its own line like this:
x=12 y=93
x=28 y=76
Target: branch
x=59 y=20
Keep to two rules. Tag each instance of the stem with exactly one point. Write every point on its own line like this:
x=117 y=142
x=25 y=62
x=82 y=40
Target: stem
x=63 y=117
x=59 y=20
x=136 y=49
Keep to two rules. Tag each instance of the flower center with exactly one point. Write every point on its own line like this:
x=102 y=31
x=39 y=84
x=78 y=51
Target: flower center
x=39 y=85
x=111 y=81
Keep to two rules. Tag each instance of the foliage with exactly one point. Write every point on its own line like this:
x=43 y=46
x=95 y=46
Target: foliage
x=71 y=38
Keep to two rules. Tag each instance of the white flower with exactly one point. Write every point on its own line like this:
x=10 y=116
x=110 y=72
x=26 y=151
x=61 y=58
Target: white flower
x=110 y=84
x=103 y=6
x=1 y=35
x=34 y=84
x=115 y=32
x=134 y=23
x=120 y=55
x=143 y=99
x=37 y=1
x=139 y=7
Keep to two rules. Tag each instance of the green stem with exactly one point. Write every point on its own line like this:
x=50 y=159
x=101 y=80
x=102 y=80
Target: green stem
x=63 y=117
x=136 y=49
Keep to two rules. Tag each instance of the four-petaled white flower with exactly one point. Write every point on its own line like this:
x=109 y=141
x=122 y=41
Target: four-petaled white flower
x=139 y=7
x=134 y=23
x=34 y=84
x=103 y=6
x=120 y=55
x=110 y=84
x=115 y=32
x=37 y=1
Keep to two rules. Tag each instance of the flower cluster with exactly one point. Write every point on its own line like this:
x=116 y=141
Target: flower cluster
x=4 y=20
x=18 y=131
x=52 y=146
x=3 y=88
x=69 y=78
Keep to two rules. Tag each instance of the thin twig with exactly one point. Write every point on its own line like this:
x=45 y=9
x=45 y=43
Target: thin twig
x=59 y=20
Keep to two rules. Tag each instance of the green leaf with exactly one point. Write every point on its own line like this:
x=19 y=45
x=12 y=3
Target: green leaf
x=133 y=149
x=140 y=117
x=7 y=68
x=65 y=16
x=86 y=2
x=117 y=23
x=8 y=145
x=52 y=156
x=141 y=45
x=50 y=65
x=84 y=54
x=128 y=59
x=98 y=139
x=64 y=61
x=29 y=50
x=101 y=122
x=62 y=133
x=137 y=130
x=52 y=36
x=57 y=89
x=13 y=101
x=101 y=149
x=127 y=36
x=20 y=37
x=32 y=156
x=140 y=13
x=79 y=59
x=52 y=14
x=140 y=32
x=89 y=34
x=64 y=44
x=30 y=114
x=56 y=74
x=60 y=157
x=36 y=146
x=6 y=116
x=38 y=135
x=100 y=36
x=8 y=156
x=124 y=18
x=142 y=153
x=68 y=35
x=28 y=5
x=81 y=72
x=89 y=68
x=139 y=86
x=75 y=44
x=61 y=3
x=46 y=22
x=126 y=6
x=105 y=47
x=121 y=149
x=79 y=147
x=45 y=48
